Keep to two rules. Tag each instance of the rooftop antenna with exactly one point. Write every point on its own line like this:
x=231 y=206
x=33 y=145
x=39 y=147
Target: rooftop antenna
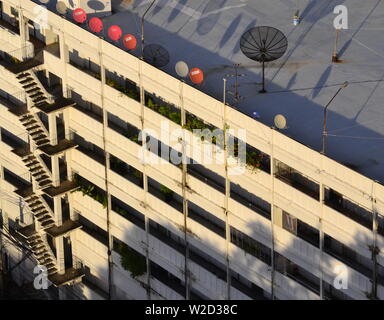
x=280 y=122
x=263 y=44
x=335 y=54
x=236 y=75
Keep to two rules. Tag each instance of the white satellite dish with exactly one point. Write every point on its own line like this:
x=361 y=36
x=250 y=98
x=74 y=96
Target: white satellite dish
x=182 y=69
x=44 y=1
x=280 y=122
x=61 y=7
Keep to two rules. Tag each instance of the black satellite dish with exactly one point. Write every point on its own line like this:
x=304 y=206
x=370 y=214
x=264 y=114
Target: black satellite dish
x=263 y=44
x=156 y=55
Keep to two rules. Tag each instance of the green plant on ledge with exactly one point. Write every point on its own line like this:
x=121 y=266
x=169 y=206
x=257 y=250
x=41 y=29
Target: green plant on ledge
x=131 y=261
x=254 y=160
x=15 y=60
x=121 y=211
x=164 y=110
x=89 y=189
x=128 y=92
x=168 y=193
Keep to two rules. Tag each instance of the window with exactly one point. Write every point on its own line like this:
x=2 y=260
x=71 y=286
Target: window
x=251 y=246
x=289 y=223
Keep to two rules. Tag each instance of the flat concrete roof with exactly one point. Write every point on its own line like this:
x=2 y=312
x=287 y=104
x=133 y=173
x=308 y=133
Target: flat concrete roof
x=206 y=34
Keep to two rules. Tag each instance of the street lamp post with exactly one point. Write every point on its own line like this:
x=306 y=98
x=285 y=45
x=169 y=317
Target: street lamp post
x=345 y=84
x=142 y=28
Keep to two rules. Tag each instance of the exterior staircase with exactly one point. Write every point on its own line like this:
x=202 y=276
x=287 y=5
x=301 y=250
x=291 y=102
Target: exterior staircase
x=42 y=252
x=33 y=88
x=35 y=128
x=40 y=210
x=38 y=170
x=40 y=248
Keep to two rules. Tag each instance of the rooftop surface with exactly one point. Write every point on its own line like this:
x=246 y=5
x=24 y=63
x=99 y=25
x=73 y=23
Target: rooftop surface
x=206 y=34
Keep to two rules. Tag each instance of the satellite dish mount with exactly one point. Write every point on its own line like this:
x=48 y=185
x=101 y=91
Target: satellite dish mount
x=263 y=44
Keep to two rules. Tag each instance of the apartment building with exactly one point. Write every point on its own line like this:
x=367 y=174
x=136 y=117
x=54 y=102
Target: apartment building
x=77 y=199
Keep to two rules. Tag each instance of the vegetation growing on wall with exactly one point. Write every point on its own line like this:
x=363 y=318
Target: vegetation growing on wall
x=168 y=193
x=131 y=261
x=89 y=189
x=165 y=110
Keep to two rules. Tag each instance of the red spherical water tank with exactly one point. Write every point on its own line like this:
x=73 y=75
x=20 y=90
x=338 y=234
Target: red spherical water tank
x=95 y=24
x=79 y=15
x=130 y=42
x=114 y=32
x=196 y=75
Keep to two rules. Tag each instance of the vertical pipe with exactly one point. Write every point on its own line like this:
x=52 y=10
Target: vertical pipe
x=321 y=232
x=184 y=193
x=106 y=172
x=374 y=244
x=227 y=188
x=145 y=179
x=272 y=161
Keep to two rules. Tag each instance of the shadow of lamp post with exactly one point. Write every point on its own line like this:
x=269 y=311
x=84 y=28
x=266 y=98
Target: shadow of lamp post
x=344 y=85
x=142 y=28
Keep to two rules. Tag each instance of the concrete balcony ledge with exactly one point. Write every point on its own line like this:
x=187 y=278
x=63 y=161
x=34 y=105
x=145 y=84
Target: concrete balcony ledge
x=16 y=109
x=24 y=192
x=71 y=275
x=17 y=68
x=64 y=187
x=62 y=146
x=67 y=227
x=58 y=105
x=22 y=151
x=27 y=231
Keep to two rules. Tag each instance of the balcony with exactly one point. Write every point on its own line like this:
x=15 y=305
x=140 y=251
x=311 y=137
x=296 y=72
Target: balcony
x=64 y=187
x=59 y=105
x=293 y=271
x=63 y=230
x=167 y=279
x=298 y=181
x=70 y=276
x=211 y=267
x=348 y=256
x=62 y=146
x=20 y=67
x=253 y=292
x=16 y=108
x=346 y=207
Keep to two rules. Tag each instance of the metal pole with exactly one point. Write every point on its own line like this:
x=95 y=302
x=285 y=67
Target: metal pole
x=227 y=190
x=344 y=85
x=263 y=78
x=142 y=28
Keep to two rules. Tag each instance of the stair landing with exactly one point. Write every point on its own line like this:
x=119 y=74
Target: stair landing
x=58 y=105
x=27 y=231
x=22 y=66
x=64 y=187
x=63 y=145
x=64 y=229
x=70 y=275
